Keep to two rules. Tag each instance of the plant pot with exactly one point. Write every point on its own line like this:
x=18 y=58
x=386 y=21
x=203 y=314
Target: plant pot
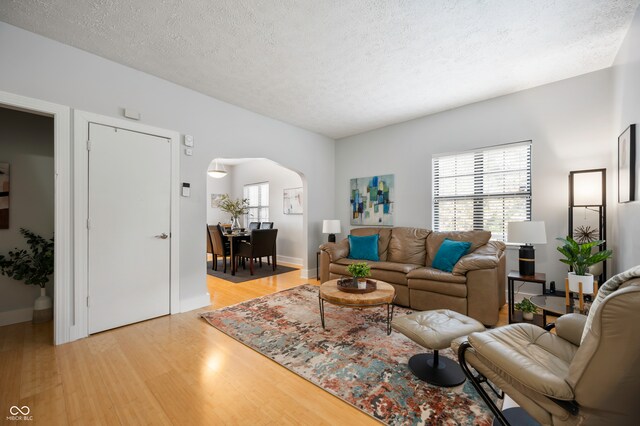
x=527 y=316
x=362 y=283
x=586 y=280
x=42 y=308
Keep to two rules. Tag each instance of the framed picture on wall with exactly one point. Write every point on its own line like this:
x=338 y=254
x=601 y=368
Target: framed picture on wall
x=4 y=195
x=214 y=199
x=292 y=200
x=627 y=165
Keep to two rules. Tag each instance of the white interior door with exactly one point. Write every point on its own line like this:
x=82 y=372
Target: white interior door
x=129 y=227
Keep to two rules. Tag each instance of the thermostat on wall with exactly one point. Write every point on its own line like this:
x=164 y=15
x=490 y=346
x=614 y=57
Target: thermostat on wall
x=186 y=189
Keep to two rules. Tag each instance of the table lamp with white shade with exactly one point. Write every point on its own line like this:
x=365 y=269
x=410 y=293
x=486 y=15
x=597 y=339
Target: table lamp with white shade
x=331 y=227
x=527 y=233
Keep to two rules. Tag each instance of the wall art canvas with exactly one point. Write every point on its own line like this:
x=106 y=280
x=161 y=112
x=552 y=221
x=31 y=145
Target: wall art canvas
x=292 y=200
x=214 y=199
x=4 y=195
x=627 y=165
x=372 y=200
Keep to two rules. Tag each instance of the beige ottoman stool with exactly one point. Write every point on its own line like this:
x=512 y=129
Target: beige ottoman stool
x=435 y=330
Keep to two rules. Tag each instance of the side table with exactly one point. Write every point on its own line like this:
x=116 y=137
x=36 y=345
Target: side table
x=539 y=278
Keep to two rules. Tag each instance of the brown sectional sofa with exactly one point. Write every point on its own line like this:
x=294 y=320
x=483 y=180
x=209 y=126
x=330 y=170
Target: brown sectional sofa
x=476 y=286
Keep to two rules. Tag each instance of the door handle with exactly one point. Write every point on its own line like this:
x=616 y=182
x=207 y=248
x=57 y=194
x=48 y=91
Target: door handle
x=162 y=236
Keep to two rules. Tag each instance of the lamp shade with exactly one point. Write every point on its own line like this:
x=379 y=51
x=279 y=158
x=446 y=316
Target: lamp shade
x=217 y=170
x=531 y=232
x=587 y=188
x=331 y=226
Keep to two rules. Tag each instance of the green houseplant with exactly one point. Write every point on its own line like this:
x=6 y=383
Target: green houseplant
x=235 y=208
x=527 y=308
x=360 y=271
x=33 y=266
x=580 y=257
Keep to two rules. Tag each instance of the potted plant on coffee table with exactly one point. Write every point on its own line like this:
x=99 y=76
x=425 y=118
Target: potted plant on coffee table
x=360 y=271
x=527 y=308
x=34 y=267
x=580 y=257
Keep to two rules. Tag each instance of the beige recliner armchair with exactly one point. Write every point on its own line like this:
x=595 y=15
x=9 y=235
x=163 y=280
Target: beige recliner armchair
x=588 y=373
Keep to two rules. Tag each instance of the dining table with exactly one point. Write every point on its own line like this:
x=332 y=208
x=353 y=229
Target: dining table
x=234 y=238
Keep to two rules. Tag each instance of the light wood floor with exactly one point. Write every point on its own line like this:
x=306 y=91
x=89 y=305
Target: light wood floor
x=170 y=370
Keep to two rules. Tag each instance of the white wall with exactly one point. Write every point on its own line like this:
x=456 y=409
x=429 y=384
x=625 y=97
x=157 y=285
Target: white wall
x=218 y=186
x=26 y=143
x=626 y=231
x=569 y=122
x=290 y=245
x=41 y=68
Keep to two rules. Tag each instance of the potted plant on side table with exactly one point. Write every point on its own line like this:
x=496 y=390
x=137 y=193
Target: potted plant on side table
x=527 y=308
x=360 y=271
x=580 y=257
x=34 y=267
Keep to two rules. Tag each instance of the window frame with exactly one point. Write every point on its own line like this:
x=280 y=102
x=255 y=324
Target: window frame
x=258 y=206
x=480 y=192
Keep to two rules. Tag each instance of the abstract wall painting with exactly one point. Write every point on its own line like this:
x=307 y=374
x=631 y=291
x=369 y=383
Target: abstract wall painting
x=4 y=195
x=372 y=200
x=292 y=200
x=627 y=165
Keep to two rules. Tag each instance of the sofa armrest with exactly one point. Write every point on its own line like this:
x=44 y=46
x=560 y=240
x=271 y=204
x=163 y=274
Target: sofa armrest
x=570 y=327
x=336 y=251
x=473 y=262
x=485 y=257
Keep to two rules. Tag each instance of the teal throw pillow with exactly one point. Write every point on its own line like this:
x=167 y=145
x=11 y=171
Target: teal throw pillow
x=365 y=248
x=449 y=253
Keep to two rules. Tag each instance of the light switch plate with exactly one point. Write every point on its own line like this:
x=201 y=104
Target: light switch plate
x=188 y=140
x=188 y=151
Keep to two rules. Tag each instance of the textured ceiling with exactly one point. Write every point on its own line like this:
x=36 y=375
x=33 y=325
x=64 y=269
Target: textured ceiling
x=341 y=67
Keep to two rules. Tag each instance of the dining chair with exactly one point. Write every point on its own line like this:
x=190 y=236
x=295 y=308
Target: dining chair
x=254 y=225
x=220 y=247
x=266 y=225
x=262 y=243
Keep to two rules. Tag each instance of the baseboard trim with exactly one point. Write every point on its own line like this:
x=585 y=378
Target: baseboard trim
x=290 y=260
x=308 y=273
x=196 y=302
x=16 y=316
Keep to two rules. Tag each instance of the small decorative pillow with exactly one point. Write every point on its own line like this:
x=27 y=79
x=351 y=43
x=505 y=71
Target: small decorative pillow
x=449 y=253
x=365 y=248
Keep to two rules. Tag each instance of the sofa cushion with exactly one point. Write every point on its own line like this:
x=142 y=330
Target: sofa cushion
x=432 y=274
x=384 y=235
x=440 y=287
x=364 y=247
x=435 y=239
x=407 y=245
x=449 y=253
x=405 y=268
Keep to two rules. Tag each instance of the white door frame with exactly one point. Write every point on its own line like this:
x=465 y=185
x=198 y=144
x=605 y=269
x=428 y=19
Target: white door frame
x=63 y=196
x=81 y=120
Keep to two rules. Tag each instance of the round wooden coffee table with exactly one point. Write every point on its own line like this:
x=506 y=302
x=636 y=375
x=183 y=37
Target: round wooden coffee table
x=383 y=295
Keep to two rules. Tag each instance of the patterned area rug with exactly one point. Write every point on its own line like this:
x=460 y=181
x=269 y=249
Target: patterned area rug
x=353 y=358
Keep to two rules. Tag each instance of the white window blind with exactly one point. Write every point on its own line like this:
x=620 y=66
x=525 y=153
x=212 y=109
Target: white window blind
x=258 y=196
x=482 y=189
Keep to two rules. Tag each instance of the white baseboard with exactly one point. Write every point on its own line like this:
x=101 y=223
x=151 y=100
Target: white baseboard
x=16 y=316
x=308 y=273
x=290 y=260
x=196 y=302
